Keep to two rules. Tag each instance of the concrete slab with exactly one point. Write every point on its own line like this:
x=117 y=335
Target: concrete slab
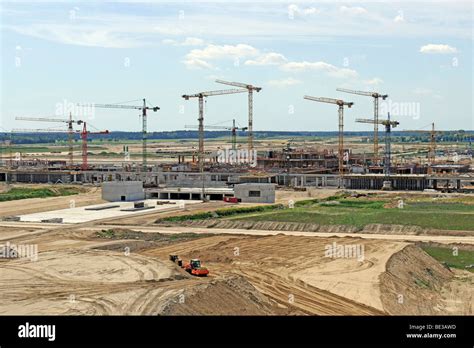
x=84 y=214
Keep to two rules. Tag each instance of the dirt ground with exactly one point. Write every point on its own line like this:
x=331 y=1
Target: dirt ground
x=79 y=273
x=80 y=270
x=90 y=196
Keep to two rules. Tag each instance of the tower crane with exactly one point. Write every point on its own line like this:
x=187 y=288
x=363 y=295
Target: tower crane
x=233 y=130
x=376 y=97
x=341 y=104
x=144 y=108
x=389 y=124
x=201 y=96
x=432 y=147
x=70 y=130
x=84 y=134
x=250 y=89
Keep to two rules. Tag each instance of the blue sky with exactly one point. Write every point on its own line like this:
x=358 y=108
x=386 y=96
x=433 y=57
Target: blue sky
x=419 y=53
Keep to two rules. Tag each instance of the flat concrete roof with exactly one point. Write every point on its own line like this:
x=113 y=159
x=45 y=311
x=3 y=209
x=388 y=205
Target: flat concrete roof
x=80 y=214
x=209 y=190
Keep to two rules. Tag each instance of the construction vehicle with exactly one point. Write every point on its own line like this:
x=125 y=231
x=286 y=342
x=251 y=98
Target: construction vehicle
x=231 y=200
x=193 y=267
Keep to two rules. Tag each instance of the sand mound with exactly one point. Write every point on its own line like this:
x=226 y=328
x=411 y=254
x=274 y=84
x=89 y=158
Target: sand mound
x=232 y=295
x=413 y=282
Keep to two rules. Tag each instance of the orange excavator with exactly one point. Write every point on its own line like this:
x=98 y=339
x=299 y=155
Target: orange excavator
x=194 y=266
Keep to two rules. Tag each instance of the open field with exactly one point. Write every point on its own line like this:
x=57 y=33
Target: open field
x=16 y=193
x=460 y=259
x=166 y=150
x=425 y=212
x=86 y=195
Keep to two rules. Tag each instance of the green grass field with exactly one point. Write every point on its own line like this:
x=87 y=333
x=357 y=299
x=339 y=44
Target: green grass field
x=446 y=216
x=23 y=193
x=448 y=256
x=341 y=210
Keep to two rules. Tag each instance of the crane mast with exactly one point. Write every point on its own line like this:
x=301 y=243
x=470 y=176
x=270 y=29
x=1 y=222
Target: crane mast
x=432 y=148
x=233 y=130
x=70 y=131
x=250 y=89
x=341 y=103
x=201 y=96
x=144 y=110
x=389 y=124
x=376 y=97
x=84 y=135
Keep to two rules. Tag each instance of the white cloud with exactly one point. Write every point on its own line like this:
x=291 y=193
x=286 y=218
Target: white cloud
x=422 y=91
x=195 y=63
x=296 y=10
x=427 y=92
x=193 y=41
x=169 y=42
x=189 y=41
x=223 y=51
x=438 y=49
x=374 y=82
x=271 y=58
x=284 y=82
x=92 y=37
x=399 y=18
x=197 y=58
x=353 y=10
x=327 y=68
x=119 y=29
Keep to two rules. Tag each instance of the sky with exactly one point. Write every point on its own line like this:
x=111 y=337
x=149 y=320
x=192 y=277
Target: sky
x=57 y=54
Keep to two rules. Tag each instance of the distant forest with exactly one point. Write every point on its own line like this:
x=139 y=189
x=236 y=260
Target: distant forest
x=44 y=138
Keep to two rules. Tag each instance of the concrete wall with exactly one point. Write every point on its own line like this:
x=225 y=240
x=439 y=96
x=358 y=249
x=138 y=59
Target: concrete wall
x=114 y=191
x=266 y=192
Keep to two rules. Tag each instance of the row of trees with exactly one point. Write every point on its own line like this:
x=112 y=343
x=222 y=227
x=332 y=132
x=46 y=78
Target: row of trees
x=38 y=138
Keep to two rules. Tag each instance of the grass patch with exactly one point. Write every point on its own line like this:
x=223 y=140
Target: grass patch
x=343 y=210
x=421 y=283
x=155 y=237
x=441 y=206
x=335 y=215
x=17 y=193
x=356 y=204
x=463 y=260
x=221 y=213
x=359 y=213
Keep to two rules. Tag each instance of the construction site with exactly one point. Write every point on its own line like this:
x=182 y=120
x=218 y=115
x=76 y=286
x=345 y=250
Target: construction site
x=240 y=225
